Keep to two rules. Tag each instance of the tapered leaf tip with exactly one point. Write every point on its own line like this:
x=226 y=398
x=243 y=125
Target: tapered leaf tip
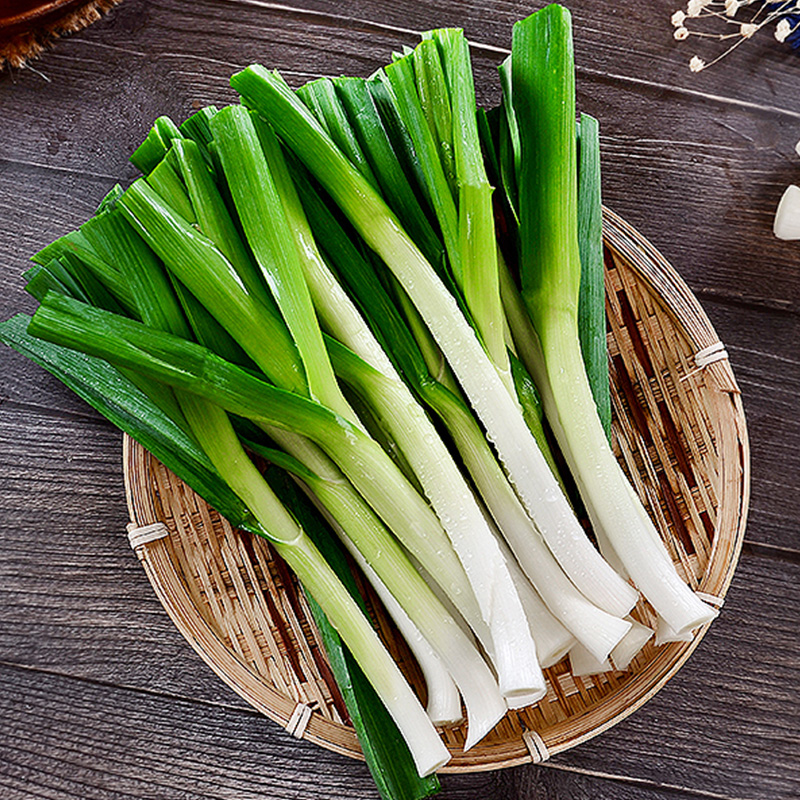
x=553 y=14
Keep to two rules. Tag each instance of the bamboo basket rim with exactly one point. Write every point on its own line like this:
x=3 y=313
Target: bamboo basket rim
x=690 y=320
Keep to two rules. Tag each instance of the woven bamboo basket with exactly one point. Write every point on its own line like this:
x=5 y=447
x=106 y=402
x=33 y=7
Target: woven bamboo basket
x=679 y=431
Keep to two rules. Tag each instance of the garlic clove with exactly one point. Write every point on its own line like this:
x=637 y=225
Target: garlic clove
x=787 y=216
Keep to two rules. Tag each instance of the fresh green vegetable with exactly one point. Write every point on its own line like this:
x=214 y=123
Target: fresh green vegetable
x=363 y=115
x=550 y=265
x=163 y=357
x=270 y=238
x=245 y=311
x=401 y=93
x=320 y=278
x=476 y=232
x=342 y=317
x=153 y=149
x=479 y=378
x=592 y=295
x=385 y=752
x=321 y=97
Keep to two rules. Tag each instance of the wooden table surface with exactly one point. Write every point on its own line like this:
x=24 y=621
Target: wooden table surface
x=100 y=697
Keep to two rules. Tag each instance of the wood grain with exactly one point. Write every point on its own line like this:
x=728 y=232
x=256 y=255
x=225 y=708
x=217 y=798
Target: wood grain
x=75 y=598
x=732 y=151
x=109 y=628
x=552 y=780
x=99 y=696
x=106 y=742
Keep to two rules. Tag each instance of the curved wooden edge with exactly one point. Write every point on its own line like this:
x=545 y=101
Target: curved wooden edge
x=690 y=318
x=15 y=20
x=171 y=591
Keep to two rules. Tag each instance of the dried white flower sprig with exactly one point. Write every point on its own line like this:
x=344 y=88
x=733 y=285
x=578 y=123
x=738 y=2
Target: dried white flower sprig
x=734 y=22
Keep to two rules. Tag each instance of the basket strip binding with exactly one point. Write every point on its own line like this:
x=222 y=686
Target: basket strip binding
x=298 y=722
x=138 y=536
x=536 y=747
x=706 y=461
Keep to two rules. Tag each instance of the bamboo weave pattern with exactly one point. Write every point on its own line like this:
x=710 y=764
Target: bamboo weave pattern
x=679 y=431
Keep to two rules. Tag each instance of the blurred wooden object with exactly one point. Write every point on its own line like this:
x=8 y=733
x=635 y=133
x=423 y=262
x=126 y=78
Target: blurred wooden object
x=28 y=26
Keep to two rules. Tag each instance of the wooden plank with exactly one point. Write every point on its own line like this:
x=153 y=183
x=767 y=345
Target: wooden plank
x=63 y=738
x=76 y=602
x=180 y=59
x=725 y=151
x=39 y=204
x=75 y=598
x=728 y=722
x=633 y=45
x=104 y=742
x=637 y=53
x=771 y=385
x=49 y=458
x=719 y=235
x=550 y=781
x=740 y=158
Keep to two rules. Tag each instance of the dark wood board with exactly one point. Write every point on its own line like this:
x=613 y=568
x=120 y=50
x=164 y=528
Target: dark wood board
x=99 y=696
x=102 y=741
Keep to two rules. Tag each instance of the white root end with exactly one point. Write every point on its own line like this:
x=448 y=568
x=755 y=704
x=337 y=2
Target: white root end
x=632 y=643
x=666 y=634
x=584 y=663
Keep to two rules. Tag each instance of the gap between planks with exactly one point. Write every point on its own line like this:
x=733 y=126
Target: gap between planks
x=182 y=698
x=49 y=411
x=774 y=552
x=642 y=782
x=81 y=173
